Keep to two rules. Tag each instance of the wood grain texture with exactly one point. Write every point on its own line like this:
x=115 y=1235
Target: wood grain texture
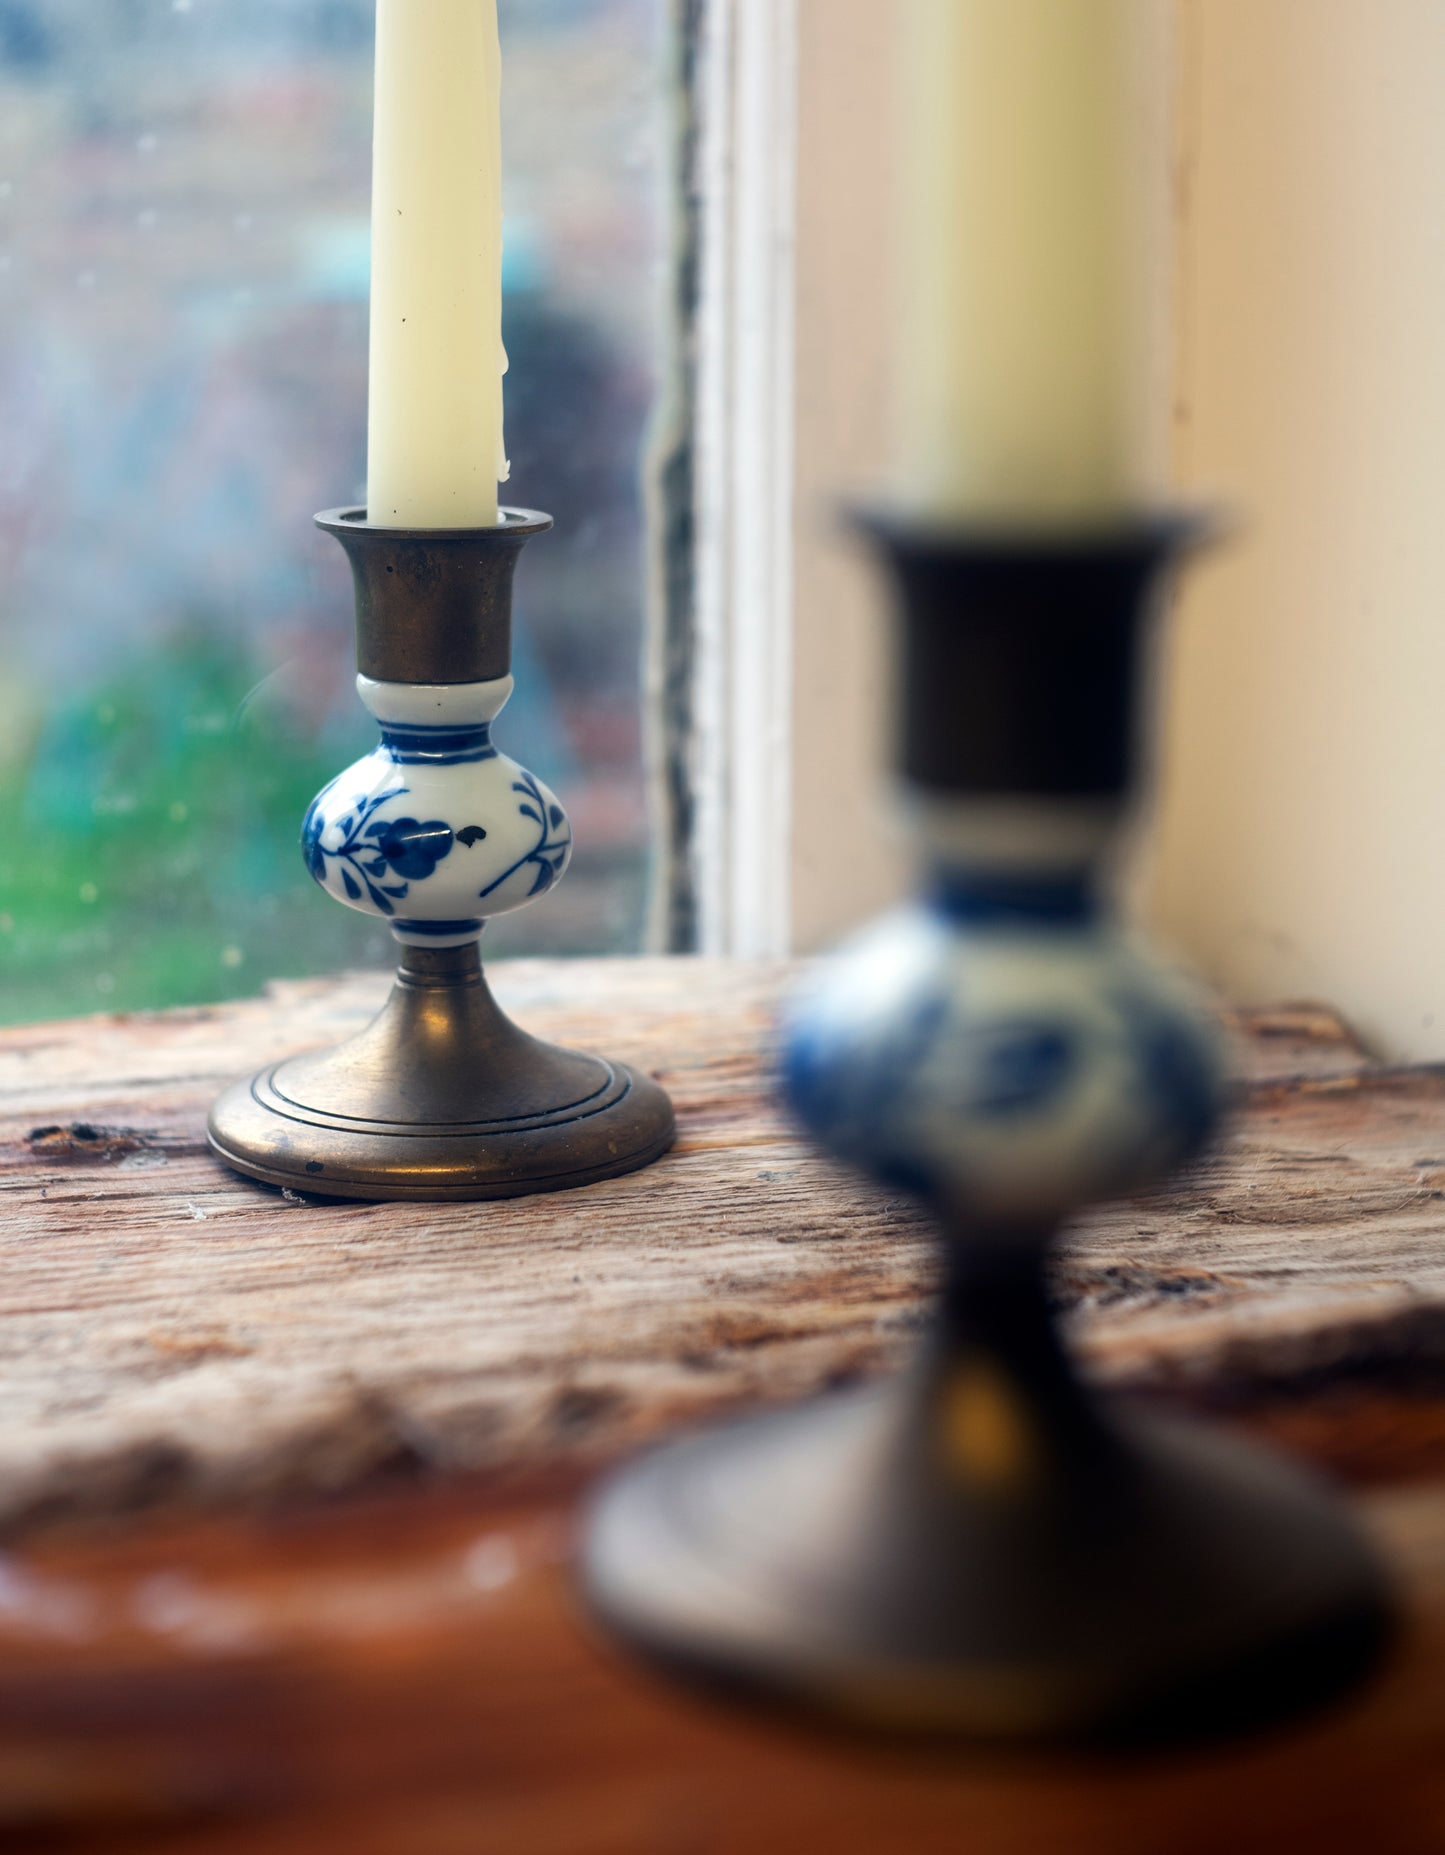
x=171 y=1332
x=291 y=1486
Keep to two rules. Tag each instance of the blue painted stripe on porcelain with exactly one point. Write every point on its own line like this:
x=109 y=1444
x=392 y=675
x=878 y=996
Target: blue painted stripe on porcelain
x=436 y=929
x=432 y=744
x=483 y=728
x=983 y=898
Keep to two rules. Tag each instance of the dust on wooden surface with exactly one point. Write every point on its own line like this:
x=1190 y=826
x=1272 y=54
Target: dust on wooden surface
x=172 y=1332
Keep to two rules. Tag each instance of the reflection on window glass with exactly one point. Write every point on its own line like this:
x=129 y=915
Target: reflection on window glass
x=183 y=304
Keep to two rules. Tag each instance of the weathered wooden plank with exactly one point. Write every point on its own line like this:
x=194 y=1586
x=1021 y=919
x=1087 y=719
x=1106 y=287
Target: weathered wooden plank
x=169 y=1331
x=400 y=1671
x=409 y=1676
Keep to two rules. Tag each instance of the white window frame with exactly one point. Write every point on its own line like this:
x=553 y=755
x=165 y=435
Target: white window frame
x=744 y=483
x=782 y=734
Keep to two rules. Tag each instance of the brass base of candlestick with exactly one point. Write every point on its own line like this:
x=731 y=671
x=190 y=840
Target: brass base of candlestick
x=441 y=1097
x=1169 y=1583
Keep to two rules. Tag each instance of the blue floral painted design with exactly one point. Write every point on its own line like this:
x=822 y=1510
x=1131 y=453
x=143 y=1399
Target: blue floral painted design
x=374 y=849
x=900 y=1062
x=859 y=1093
x=1019 y=1067
x=548 y=856
x=1178 y=1083
x=846 y=1087
x=412 y=849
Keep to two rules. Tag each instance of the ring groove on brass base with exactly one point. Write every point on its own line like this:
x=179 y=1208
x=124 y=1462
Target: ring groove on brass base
x=614 y=1085
x=441 y=1097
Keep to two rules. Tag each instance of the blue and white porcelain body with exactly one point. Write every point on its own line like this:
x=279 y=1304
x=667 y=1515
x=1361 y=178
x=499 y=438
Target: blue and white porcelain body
x=999 y=1045
x=435 y=831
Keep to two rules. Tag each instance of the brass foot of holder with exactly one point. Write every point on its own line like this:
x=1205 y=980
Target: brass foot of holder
x=441 y=1097
x=434 y=832
x=961 y=1555
x=984 y=1549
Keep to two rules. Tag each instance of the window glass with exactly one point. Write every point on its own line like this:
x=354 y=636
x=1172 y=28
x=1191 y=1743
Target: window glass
x=183 y=306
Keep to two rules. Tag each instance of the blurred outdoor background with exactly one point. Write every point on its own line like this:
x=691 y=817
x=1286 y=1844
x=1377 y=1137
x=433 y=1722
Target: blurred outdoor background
x=184 y=196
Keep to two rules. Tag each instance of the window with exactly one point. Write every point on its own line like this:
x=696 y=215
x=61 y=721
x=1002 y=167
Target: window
x=183 y=282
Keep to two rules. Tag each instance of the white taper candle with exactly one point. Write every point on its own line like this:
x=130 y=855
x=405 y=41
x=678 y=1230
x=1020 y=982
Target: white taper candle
x=1020 y=312
x=435 y=439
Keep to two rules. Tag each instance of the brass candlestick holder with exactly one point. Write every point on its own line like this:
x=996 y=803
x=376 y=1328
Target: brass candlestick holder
x=985 y=1547
x=435 y=831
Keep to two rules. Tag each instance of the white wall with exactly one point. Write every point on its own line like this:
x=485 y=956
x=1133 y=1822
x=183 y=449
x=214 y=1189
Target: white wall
x=847 y=860
x=1300 y=845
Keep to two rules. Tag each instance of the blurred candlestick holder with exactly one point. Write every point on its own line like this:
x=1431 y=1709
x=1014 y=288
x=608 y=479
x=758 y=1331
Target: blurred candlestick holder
x=434 y=832
x=985 y=1547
